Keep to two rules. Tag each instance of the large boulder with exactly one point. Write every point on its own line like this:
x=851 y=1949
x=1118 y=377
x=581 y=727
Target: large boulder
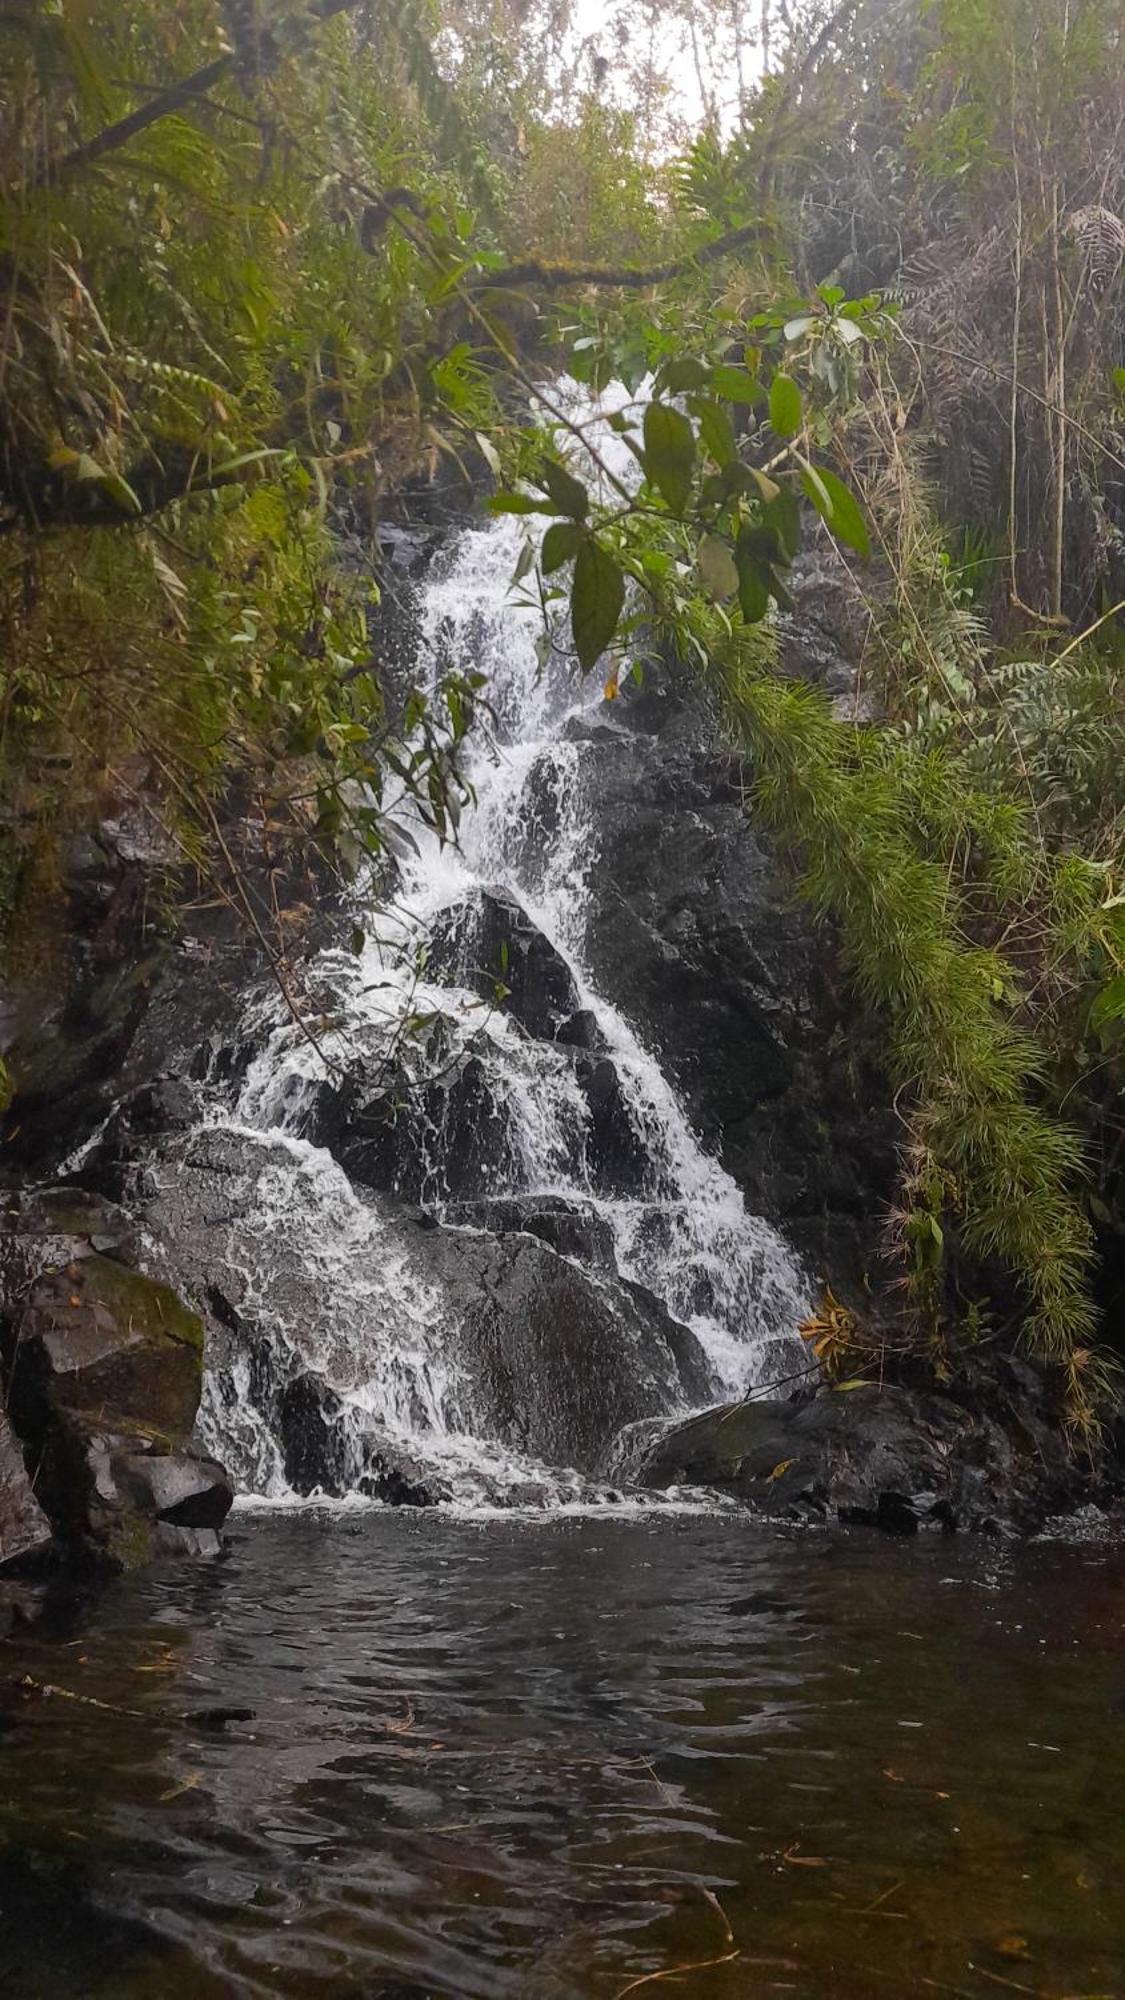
x=888 y=1456
x=442 y=1135
x=103 y=1372
x=560 y=1360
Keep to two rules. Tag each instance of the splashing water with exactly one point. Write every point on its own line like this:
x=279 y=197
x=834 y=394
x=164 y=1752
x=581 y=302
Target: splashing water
x=683 y=1231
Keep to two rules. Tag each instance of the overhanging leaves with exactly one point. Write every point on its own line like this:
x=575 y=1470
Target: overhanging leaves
x=669 y=453
x=596 y=600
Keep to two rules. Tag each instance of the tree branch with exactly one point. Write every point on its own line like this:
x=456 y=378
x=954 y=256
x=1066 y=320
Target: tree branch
x=177 y=97
x=533 y=271
x=39 y=497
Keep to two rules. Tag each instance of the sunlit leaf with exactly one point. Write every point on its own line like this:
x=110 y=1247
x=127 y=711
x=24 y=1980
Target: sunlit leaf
x=785 y=406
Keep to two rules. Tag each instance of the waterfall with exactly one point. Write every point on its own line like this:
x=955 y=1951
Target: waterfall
x=363 y=1309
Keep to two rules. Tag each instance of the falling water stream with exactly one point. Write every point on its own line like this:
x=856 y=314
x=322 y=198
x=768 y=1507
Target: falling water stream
x=376 y=1327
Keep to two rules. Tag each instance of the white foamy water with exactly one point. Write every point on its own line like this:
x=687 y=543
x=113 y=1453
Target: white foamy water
x=374 y=1327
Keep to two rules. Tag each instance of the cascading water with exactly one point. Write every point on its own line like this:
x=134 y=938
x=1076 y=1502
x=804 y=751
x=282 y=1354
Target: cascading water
x=363 y=1310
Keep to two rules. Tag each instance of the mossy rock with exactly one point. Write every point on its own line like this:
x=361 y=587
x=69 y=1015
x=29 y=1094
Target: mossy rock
x=99 y=1340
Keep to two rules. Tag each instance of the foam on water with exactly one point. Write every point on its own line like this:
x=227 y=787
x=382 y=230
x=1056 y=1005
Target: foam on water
x=688 y=1236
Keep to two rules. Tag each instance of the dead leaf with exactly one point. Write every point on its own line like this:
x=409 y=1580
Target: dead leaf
x=780 y=1469
x=1010 y=1946
x=187 y=1784
x=798 y=1860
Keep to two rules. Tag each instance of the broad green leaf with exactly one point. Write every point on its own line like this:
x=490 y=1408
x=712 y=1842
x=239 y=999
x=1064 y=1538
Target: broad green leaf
x=785 y=406
x=567 y=492
x=118 y=489
x=783 y=515
x=687 y=373
x=753 y=587
x=1109 y=1004
x=560 y=542
x=518 y=503
x=838 y=506
x=717 y=431
x=489 y=453
x=768 y=489
x=736 y=385
x=596 y=598
x=669 y=453
x=716 y=566
x=816 y=490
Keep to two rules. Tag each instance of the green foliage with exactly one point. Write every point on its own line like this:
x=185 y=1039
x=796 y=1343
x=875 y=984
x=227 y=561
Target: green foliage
x=211 y=321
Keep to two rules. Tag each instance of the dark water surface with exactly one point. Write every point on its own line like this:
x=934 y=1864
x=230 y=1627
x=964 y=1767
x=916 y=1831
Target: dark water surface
x=544 y=1761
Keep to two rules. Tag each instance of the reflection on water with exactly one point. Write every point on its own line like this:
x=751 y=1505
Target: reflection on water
x=545 y=1761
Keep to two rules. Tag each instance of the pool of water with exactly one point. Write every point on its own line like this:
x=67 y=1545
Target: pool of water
x=513 y=1761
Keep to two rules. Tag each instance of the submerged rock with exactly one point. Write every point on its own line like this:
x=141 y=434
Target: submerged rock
x=886 y=1456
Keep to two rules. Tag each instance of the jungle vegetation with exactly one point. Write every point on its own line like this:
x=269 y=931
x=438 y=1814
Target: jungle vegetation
x=264 y=266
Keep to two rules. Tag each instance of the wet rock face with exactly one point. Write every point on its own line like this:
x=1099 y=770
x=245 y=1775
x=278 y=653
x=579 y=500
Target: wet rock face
x=545 y=1356
x=887 y=1457
x=694 y=931
x=559 y=1361
x=103 y=1370
x=491 y=945
x=440 y=1137
x=574 y=1229
x=24 y=1528
x=324 y=1452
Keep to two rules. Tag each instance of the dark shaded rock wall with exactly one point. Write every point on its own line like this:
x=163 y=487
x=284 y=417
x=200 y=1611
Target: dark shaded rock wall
x=695 y=931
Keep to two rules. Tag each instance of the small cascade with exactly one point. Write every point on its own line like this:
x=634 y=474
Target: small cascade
x=535 y=1110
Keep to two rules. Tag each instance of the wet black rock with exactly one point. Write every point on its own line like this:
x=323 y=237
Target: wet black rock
x=440 y=1136
x=616 y=1157
x=694 y=931
x=186 y=1492
x=888 y=1457
x=325 y=1450
x=581 y=1031
x=575 y=1229
x=559 y=1360
x=489 y=944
